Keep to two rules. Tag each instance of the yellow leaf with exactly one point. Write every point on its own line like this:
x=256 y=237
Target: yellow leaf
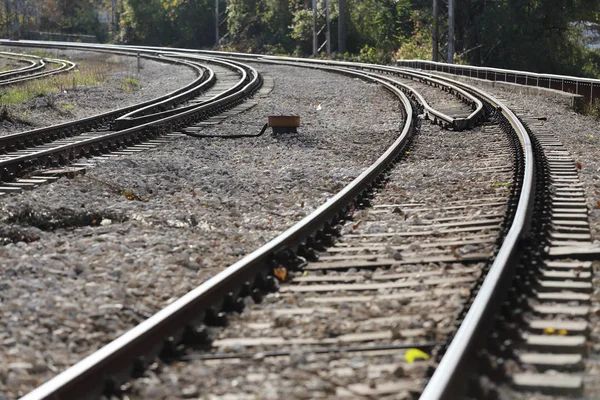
x=549 y=331
x=413 y=355
x=563 y=332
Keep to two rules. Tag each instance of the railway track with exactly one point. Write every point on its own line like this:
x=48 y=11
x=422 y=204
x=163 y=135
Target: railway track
x=32 y=65
x=59 y=145
x=396 y=252
x=37 y=69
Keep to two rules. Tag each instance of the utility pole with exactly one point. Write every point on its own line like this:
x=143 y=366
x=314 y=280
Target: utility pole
x=114 y=18
x=342 y=26
x=450 y=31
x=434 y=41
x=216 y=22
x=315 y=39
x=328 y=31
x=7 y=9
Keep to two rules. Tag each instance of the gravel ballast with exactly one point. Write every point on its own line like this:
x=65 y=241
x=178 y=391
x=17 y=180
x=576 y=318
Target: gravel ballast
x=98 y=263
x=426 y=176
x=116 y=78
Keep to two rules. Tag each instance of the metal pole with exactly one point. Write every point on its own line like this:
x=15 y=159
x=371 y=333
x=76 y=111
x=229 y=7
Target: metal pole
x=315 y=42
x=328 y=31
x=342 y=26
x=216 y=22
x=7 y=9
x=435 y=50
x=114 y=17
x=451 y=31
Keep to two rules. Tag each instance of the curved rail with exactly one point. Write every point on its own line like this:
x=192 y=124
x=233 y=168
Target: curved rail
x=33 y=137
x=33 y=65
x=436 y=116
x=159 y=110
x=430 y=113
x=64 y=66
x=10 y=168
x=448 y=379
x=178 y=320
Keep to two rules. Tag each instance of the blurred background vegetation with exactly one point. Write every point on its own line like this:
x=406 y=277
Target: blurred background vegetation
x=552 y=36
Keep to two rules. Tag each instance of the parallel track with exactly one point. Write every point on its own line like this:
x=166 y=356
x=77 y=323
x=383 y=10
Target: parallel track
x=181 y=322
x=37 y=70
x=58 y=145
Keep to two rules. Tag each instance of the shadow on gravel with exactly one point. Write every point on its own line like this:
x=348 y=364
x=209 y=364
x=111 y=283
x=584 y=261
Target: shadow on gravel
x=297 y=139
x=16 y=227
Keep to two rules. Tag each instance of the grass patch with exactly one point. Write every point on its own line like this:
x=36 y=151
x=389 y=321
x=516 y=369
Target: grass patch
x=90 y=73
x=67 y=106
x=130 y=84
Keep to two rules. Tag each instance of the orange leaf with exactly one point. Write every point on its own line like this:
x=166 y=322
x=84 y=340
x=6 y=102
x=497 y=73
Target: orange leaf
x=280 y=273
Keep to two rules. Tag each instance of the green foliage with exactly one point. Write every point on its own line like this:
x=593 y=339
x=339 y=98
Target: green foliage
x=302 y=31
x=129 y=84
x=71 y=17
x=418 y=45
x=524 y=34
x=181 y=23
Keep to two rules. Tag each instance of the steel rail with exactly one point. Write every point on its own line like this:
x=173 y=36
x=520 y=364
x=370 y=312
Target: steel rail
x=22 y=140
x=449 y=377
x=13 y=75
x=159 y=110
x=14 y=56
x=65 y=66
x=430 y=113
x=451 y=372
x=448 y=381
x=87 y=378
x=61 y=154
x=457 y=123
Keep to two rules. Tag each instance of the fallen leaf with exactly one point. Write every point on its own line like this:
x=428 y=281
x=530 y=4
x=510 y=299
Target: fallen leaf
x=413 y=355
x=356 y=225
x=280 y=273
x=578 y=165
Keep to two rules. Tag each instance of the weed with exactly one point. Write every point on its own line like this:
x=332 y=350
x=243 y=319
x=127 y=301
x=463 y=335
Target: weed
x=129 y=84
x=87 y=74
x=67 y=106
x=593 y=110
